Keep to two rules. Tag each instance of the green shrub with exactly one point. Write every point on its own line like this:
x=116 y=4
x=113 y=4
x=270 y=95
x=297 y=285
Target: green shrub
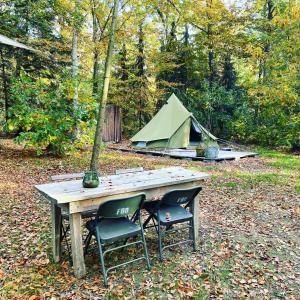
x=43 y=115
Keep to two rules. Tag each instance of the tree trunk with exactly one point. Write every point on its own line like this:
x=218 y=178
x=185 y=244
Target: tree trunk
x=75 y=64
x=211 y=66
x=5 y=87
x=211 y=57
x=95 y=73
x=102 y=104
x=270 y=14
x=140 y=65
x=270 y=11
x=75 y=67
x=96 y=53
x=74 y=54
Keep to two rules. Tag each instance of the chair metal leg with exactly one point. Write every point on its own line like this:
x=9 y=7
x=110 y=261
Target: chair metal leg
x=87 y=243
x=69 y=252
x=155 y=225
x=64 y=232
x=194 y=234
x=101 y=257
x=160 y=242
x=145 y=246
x=147 y=221
x=192 y=223
x=135 y=217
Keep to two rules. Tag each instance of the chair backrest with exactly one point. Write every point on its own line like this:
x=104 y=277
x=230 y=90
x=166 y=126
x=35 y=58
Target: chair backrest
x=121 y=207
x=125 y=171
x=180 y=197
x=67 y=176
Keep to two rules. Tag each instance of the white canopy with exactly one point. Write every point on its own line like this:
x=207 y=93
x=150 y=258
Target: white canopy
x=7 y=41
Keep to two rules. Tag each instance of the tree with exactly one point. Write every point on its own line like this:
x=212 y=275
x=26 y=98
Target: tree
x=229 y=74
x=5 y=85
x=273 y=84
x=102 y=104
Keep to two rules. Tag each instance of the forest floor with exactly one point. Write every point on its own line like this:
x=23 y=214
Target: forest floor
x=249 y=229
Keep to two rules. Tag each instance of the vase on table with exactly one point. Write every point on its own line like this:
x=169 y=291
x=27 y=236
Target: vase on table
x=90 y=179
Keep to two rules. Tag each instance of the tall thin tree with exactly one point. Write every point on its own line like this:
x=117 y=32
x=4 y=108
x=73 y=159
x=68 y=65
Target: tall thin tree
x=75 y=65
x=103 y=100
x=140 y=72
x=96 y=50
x=5 y=85
x=75 y=60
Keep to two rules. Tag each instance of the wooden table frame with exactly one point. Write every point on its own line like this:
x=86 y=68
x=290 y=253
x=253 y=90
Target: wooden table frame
x=72 y=197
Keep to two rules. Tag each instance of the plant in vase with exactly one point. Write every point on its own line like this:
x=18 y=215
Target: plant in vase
x=200 y=150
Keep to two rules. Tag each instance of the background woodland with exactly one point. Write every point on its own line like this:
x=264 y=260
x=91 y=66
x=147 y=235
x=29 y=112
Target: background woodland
x=235 y=65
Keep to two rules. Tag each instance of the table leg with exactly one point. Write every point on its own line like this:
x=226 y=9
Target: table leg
x=77 y=246
x=56 y=232
x=196 y=215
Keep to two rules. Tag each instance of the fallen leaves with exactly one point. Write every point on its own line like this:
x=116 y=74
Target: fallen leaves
x=249 y=233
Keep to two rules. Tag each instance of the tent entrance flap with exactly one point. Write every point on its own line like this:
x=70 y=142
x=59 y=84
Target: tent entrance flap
x=195 y=133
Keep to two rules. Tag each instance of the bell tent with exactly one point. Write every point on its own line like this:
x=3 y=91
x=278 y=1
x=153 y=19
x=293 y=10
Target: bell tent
x=172 y=127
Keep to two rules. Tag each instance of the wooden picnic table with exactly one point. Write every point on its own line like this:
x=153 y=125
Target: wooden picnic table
x=71 y=196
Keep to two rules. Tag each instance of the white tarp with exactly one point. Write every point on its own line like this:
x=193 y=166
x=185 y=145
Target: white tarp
x=7 y=41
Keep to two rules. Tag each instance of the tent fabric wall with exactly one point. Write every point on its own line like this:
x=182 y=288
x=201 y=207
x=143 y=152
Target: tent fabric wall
x=165 y=123
x=180 y=138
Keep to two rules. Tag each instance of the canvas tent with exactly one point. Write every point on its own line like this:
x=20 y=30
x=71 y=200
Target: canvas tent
x=172 y=127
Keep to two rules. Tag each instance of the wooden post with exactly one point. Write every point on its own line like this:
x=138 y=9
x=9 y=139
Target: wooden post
x=56 y=232
x=196 y=215
x=77 y=246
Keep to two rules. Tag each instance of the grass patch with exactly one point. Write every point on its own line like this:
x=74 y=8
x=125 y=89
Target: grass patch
x=272 y=178
x=285 y=163
x=230 y=184
x=298 y=186
x=288 y=166
x=280 y=160
x=250 y=179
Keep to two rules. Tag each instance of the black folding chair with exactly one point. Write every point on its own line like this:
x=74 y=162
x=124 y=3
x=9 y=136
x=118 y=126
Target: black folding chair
x=112 y=224
x=174 y=207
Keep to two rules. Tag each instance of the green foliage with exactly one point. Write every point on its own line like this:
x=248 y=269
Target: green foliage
x=236 y=68
x=42 y=114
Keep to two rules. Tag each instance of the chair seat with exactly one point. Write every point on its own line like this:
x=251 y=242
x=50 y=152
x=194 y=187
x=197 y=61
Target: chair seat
x=113 y=229
x=169 y=214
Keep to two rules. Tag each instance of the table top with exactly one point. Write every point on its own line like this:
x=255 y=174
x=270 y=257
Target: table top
x=70 y=191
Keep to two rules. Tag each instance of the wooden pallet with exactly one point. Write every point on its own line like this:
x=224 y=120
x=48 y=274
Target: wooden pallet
x=190 y=154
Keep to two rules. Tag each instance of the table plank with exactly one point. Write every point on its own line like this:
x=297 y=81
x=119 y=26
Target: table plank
x=67 y=192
